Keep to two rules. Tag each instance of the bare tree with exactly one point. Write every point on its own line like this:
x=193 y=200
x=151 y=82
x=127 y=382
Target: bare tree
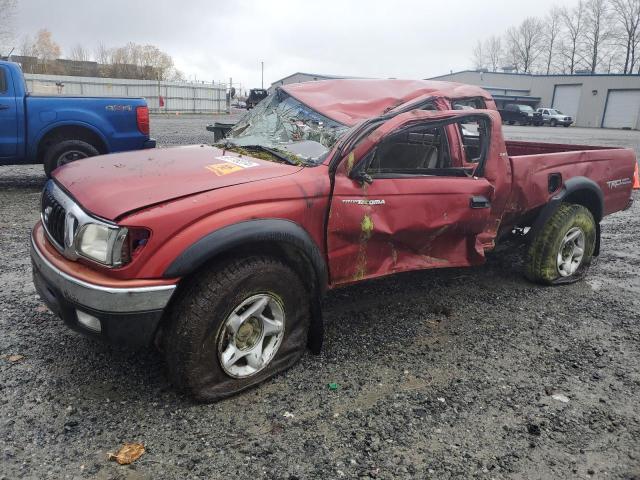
x=524 y=43
x=552 y=30
x=479 y=59
x=27 y=47
x=488 y=54
x=46 y=48
x=494 y=53
x=160 y=63
x=573 y=22
x=626 y=15
x=176 y=75
x=101 y=54
x=79 y=53
x=145 y=62
x=596 y=32
x=7 y=25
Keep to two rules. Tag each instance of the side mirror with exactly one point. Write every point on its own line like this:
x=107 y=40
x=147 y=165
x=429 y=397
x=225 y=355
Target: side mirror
x=362 y=177
x=359 y=173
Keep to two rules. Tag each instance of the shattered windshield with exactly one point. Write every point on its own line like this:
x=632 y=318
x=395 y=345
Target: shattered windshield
x=282 y=124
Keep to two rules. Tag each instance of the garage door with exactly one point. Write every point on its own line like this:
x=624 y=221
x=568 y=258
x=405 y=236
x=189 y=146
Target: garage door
x=623 y=109
x=566 y=98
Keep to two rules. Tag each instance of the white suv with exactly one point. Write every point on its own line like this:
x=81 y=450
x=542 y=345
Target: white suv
x=555 y=117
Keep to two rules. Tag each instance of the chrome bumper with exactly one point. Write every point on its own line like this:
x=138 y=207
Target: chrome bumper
x=97 y=297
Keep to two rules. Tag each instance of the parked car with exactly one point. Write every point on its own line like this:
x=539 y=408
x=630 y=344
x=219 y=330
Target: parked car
x=221 y=254
x=58 y=130
x=256 y=95
x=553 y=117
x=523 y=114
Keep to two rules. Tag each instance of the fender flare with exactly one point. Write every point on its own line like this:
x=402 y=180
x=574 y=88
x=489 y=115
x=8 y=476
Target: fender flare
x=573 y=186
x=33 y=147
x=277 y=231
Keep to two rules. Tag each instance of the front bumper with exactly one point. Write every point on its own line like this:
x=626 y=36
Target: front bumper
x=128 y=316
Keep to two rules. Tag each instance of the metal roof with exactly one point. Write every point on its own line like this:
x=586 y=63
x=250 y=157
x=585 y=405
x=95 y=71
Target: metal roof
x=350 y=101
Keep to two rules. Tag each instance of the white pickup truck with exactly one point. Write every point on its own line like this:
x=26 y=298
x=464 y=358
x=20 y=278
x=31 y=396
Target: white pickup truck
x=553 y=117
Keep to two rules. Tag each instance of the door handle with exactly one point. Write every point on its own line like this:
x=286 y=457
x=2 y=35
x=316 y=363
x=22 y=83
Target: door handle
x=4 y=107
x=479 y=202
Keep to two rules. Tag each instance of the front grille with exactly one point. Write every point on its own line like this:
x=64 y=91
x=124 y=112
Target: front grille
x=53 y=216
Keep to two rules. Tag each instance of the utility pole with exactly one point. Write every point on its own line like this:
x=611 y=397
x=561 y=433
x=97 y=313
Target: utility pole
x=262 y=80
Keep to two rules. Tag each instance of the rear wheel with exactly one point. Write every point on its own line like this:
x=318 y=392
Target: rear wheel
x=65 y=151
x=561 y=252
x=553 y=122
x=235 y=326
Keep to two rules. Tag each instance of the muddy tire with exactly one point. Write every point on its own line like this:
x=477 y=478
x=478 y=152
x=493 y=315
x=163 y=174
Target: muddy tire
x=562 y=251
x=235 y=326
x=65 y=151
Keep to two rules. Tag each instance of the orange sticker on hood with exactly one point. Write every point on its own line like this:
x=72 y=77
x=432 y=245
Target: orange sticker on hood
x=230 y=164
x=223 y=168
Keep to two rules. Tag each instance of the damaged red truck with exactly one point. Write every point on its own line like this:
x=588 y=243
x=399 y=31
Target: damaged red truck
x=221 y=255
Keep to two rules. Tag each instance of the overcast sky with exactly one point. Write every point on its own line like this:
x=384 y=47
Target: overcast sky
x=215 y=40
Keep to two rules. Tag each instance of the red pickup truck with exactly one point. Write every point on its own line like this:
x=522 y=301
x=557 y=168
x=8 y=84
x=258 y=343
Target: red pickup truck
x=221 y=254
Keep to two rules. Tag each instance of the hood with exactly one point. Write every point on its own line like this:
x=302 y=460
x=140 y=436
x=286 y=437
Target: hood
x=111 y=185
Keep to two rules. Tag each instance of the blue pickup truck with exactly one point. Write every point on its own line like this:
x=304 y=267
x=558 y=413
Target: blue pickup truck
x=57 y=130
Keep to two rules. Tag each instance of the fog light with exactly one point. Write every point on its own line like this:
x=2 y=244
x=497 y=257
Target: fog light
x=89 y=321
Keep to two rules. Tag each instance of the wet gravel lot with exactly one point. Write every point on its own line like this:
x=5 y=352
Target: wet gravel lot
x=457 y=373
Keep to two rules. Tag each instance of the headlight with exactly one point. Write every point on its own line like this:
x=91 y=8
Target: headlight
x=101 y=243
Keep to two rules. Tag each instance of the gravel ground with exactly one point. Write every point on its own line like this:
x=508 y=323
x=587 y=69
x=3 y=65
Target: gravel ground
x=444 y=374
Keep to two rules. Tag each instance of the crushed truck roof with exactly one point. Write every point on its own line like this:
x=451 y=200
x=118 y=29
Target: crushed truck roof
x=350 y=101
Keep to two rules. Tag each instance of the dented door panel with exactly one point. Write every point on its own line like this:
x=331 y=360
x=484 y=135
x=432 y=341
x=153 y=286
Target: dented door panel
x=395 y=225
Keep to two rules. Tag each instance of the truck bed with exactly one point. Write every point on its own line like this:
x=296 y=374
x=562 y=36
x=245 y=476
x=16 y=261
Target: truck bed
x=532 y=163
x=519 y=148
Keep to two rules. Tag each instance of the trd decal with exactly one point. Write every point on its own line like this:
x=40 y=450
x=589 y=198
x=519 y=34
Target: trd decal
x=620 y=182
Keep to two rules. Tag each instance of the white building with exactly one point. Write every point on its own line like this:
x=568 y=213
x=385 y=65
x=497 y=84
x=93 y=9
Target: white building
x=593 y=100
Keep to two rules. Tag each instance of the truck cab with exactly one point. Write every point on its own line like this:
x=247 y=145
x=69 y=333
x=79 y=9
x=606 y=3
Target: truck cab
x=57 y=130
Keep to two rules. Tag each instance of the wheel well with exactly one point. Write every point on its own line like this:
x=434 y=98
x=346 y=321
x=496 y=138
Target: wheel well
x=69 y=132
x=291 y=255
x=588 y=199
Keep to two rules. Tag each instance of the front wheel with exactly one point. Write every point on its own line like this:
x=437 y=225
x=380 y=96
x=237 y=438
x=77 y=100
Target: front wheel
x=561 y=252
x=235 y=326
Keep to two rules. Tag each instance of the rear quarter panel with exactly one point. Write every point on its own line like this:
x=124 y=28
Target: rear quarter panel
x=117 y=127
x=603 y=166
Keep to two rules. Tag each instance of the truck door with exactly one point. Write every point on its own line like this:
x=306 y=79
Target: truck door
x=8 y=116
x=405 y=199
